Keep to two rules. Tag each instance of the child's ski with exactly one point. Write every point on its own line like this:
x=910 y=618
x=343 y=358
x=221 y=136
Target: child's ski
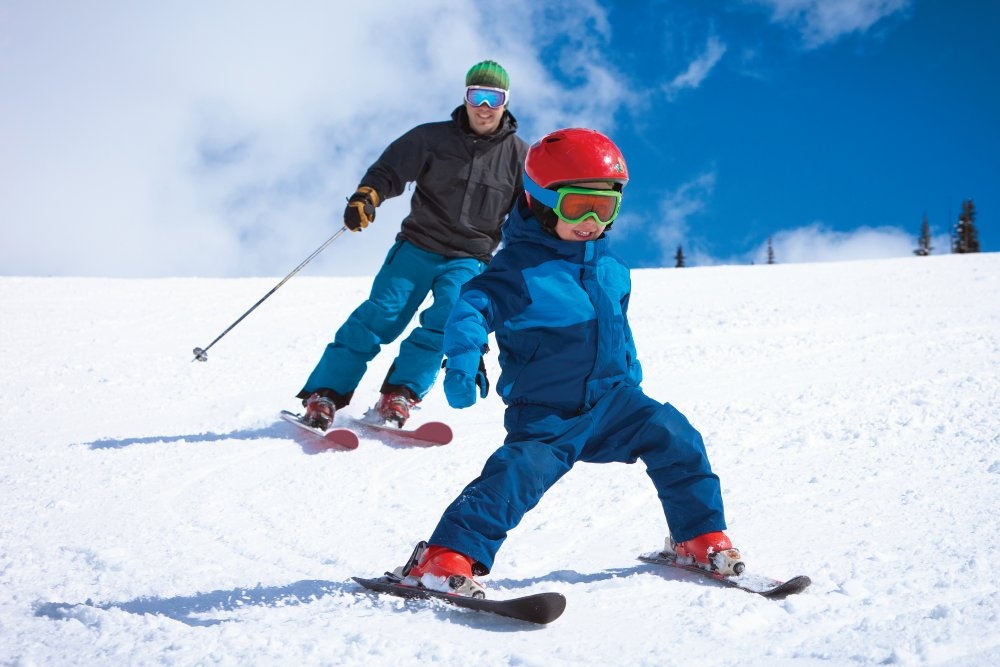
x=539 y=608
x=752 y=583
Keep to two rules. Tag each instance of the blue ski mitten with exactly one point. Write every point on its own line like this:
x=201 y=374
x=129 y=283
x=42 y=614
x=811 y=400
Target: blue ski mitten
x=462 y=376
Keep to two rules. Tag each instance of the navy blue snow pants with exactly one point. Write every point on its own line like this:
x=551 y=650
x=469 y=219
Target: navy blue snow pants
x=624 y=426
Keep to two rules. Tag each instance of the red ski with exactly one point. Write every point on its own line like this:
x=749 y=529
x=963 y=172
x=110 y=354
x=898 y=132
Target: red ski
x=428 y=433
x=334 y=438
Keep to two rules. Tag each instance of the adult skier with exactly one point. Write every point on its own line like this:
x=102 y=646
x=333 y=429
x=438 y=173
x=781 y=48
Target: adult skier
x=468 y=174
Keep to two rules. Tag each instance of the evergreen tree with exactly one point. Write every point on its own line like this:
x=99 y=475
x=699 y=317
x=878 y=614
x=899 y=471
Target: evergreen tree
x=924 y=246
x=966 y=237
x=680 y=258
x=770 y=252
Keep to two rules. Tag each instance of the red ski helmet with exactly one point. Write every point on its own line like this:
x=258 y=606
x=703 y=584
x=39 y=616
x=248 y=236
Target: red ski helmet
x=575 y=155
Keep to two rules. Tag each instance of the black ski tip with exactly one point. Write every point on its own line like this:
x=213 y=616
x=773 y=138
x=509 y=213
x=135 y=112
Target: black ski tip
x=543 y=608
x=790 y=587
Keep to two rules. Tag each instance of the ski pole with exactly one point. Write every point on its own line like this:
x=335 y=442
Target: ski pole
x=201 y=354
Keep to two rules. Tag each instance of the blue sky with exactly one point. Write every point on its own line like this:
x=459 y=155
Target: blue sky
x=832 y=134
x=222 y=138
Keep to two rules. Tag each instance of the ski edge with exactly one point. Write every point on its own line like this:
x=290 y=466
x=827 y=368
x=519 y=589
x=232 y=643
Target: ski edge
x=537 y=608
x=768 y=587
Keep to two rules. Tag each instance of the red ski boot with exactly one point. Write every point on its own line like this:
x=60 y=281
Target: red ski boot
x=711 y=551
x=319 y=412
x=441 y=569
x=394 y=408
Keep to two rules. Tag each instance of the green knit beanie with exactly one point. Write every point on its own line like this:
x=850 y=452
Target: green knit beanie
x=488 y=73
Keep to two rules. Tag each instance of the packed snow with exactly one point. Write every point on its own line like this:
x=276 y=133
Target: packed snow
x=157 y=511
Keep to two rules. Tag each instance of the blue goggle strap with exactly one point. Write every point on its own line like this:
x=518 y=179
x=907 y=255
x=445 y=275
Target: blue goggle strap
x=548 y=197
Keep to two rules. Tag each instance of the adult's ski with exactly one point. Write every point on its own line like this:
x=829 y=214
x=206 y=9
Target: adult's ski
x=428 y=433
x=334 y=438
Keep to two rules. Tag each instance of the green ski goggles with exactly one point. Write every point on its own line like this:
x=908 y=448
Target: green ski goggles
x=574 y=205
x=577 y=204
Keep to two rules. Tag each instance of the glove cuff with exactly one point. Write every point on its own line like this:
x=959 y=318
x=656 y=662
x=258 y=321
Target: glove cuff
x=370 y=193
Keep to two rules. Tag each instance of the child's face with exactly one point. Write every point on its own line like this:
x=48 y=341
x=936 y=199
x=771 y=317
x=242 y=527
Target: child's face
x=587 y=230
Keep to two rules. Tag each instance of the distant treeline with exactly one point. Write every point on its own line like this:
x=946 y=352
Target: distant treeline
x=964 y=237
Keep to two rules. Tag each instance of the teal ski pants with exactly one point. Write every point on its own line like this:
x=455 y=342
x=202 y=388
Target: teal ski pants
x=407 y=276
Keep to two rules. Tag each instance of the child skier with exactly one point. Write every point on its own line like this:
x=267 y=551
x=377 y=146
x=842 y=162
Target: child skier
x=557 y=301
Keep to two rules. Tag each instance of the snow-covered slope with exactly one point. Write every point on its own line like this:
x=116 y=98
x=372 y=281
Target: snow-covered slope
x=155 y=511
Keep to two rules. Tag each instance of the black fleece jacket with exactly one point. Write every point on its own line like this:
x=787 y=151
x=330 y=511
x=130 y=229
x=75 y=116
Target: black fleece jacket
x=465 y=183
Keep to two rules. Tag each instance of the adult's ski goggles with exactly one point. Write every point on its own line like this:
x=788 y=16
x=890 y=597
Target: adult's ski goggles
x=574 y=205
x=494 y=98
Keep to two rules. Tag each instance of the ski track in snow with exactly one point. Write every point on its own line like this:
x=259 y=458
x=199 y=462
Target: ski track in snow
x=157 y=511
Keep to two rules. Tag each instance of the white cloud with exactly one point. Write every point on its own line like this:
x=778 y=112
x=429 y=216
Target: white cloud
x=672 y=226
x=817 y=243
x=824 y=21
x=699 y=69
x=222 y=138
